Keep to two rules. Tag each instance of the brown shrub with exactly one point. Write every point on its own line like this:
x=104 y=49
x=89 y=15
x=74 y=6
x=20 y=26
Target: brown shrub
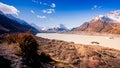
x=15 y=49
x=11 y=38
x=28 y=44
x=25 y=41
x=25 y=45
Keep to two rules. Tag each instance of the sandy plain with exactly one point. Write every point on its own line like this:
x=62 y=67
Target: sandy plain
x=104 y=40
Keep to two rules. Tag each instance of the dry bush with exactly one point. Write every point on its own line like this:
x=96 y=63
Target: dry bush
x=28 y=44
x=15 y=49
x=25 y=41
x=11 y=38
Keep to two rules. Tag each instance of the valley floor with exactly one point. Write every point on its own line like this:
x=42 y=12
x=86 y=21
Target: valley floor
x=103 y=40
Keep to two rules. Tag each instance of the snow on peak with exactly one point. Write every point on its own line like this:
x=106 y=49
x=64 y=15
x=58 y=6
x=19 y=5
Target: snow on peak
x=115 y=13
x=62 y=26
x=113 y=16
x=98 y=17
x=44 y=28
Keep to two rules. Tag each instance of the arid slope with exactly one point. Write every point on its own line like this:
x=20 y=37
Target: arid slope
x=19 y=50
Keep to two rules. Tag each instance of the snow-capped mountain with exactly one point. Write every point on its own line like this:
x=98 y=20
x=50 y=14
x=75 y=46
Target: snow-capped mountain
x=45 y=28
x=63 y=27
x=57 y=28
x=60 y=27
x=109 y=23
x=113 y=16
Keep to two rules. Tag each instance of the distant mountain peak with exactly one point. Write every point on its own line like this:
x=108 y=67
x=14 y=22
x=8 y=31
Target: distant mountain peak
x=60 y=26
x=56 y=28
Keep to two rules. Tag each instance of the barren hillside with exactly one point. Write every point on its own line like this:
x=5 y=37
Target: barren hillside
x=25 y=50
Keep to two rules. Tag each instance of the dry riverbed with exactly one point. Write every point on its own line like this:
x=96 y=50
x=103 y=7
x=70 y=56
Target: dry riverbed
x=106 y=41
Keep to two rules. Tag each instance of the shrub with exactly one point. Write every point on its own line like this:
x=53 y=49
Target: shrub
x=26 y=42
x=11 y=38
x=45 y=57
x=15 y=49
x=25 y=45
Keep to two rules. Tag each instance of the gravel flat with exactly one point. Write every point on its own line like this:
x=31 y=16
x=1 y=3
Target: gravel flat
x=106 y=41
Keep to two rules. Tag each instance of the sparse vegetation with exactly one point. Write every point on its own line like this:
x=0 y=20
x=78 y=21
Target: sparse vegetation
x=79 y=56
x=43 y=53
x=27 y=43
x=26 y=46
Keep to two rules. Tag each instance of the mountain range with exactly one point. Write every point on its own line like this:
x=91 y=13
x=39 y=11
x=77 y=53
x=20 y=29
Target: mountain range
x=9 y=24
x=108 y=23
x=58 y=28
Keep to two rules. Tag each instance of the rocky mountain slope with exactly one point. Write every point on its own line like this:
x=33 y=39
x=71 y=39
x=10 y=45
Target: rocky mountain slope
x=109 y=23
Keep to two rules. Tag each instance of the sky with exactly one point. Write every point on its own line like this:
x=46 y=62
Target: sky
x=49 y=13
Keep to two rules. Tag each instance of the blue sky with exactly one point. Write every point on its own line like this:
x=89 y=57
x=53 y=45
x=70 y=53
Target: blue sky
x=72 y=13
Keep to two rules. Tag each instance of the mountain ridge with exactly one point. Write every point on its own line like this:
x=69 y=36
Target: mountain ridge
x=10 y=25
x=108 y=23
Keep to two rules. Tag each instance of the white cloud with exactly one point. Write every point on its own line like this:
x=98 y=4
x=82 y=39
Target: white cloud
x=7 y=9
x=32 y=11
x=53 y=5
x=96 y=7
x=41 y=17
x=49 y=11
x=40 y=2
x=45 y=4
x=35 y=1
x=44 y=11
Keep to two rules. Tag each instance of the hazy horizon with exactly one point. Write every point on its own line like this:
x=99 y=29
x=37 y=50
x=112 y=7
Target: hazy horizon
x=48 y=13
